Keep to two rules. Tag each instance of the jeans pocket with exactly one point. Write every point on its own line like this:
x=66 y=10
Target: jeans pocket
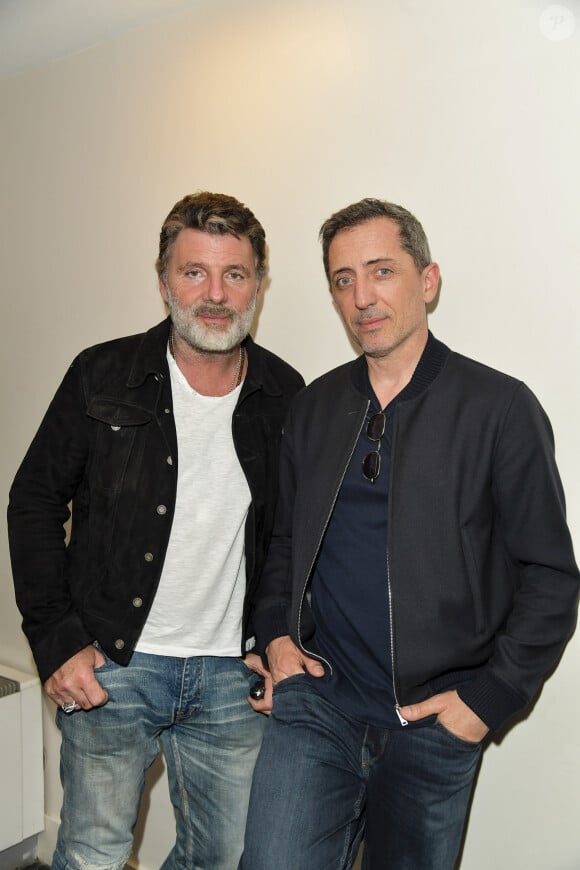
x=248 y=674
x=455 y=738
x=108 y=663
x=288 y=684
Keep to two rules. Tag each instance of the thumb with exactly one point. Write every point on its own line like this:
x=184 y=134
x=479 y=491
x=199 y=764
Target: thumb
x=314 y=667
x=99 y=658
x=419 y=711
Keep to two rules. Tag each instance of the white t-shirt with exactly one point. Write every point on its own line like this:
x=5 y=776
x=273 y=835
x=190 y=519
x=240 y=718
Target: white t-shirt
x=198 y=606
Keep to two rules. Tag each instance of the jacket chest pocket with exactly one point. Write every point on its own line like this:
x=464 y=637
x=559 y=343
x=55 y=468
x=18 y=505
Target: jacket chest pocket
x=118 y=444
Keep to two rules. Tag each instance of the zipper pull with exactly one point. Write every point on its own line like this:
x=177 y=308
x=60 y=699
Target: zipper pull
x=398 y=712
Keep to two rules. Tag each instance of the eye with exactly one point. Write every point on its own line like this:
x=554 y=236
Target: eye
x=343 y=281
x=236 y=276
x=193 y=273
x=384 y=272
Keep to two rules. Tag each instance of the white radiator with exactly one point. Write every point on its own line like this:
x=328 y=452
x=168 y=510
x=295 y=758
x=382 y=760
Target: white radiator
x=21 y=762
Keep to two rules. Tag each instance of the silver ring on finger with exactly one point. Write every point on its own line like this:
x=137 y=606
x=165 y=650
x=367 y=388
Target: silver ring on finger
x=68 y=706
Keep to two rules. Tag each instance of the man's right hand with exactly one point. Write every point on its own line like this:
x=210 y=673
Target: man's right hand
x=75 y=681
x=285 y=660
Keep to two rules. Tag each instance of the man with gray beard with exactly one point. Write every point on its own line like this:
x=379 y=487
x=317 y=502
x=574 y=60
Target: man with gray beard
x=167 y=444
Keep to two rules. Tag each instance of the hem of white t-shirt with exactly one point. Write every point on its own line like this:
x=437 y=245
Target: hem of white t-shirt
x=181 y=653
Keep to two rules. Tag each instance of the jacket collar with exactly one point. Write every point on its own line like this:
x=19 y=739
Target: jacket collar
x=260 y=375
x=432 y=360
x=151 y=355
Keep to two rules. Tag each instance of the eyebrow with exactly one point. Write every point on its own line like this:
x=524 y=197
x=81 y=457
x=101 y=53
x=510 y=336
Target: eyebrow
x=189 y=264
x=378 y=260
x=237 y=267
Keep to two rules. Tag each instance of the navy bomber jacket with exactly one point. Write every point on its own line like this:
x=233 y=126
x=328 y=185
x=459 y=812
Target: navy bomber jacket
x=482 y=581
x=108 y=444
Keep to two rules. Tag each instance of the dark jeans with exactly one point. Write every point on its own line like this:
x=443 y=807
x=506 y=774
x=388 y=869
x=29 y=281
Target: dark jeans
x=322 y=780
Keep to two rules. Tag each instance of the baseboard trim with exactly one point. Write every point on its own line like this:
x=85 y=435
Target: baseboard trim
x=20 y=854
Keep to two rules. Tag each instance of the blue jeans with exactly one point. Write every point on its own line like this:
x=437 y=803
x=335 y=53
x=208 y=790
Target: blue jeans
x=322 y=780
x=196 y=708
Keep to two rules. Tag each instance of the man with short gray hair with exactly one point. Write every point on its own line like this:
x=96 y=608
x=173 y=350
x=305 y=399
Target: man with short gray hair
x=421 y=581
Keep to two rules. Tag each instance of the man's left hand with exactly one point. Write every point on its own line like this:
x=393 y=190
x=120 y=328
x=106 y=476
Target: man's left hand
x=453 y=714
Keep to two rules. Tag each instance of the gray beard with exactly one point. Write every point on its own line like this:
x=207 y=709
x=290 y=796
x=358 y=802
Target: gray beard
x=200 y=338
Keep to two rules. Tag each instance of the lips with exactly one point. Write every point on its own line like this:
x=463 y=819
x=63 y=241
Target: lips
x=368 y=324
x=213 y=317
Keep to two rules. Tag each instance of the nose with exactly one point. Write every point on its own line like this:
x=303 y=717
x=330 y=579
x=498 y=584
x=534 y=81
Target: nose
x=364 y=293
x=215 y=290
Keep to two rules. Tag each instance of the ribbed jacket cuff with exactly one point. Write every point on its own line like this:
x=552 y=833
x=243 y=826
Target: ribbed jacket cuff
x=491 y=699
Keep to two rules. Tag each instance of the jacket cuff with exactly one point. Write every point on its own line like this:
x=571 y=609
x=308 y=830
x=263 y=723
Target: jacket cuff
x=491 y=699
x=62 y=643
x=269 y=624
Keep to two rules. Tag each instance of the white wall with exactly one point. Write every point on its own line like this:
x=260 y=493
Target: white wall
x=466 y=113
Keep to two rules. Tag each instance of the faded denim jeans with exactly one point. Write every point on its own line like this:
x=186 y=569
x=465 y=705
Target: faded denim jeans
x=196 y=709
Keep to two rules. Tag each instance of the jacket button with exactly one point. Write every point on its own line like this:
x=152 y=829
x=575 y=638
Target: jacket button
x=119 y=644
x=148 y=557
x=137 y=602
x=167 y=410
x=170 y=460
x=115 y=428
x=161 y=509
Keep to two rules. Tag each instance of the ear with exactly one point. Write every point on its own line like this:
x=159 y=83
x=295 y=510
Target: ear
x=431 y=280
x=163 y=289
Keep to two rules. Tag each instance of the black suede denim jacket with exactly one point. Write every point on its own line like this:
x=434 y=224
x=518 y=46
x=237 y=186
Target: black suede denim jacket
x=108 y=445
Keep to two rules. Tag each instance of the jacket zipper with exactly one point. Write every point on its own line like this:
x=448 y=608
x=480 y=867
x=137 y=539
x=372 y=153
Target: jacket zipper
x=401 y=718
x=316 y=551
